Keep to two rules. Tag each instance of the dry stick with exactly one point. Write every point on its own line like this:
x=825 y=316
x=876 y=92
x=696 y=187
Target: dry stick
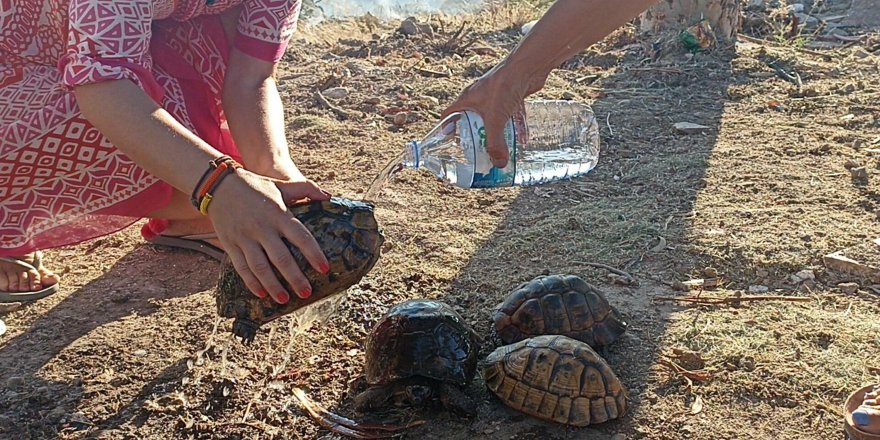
x=732 y=299
x=613 y=270
x=328 y=105
x=343 y=425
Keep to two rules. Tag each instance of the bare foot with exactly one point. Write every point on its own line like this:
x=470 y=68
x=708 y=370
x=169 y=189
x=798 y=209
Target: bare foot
x=15 y=278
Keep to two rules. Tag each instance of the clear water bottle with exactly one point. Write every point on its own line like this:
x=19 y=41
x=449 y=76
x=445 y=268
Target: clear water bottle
x=551 y=140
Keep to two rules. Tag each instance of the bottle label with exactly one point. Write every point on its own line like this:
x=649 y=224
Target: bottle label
x=487 y=175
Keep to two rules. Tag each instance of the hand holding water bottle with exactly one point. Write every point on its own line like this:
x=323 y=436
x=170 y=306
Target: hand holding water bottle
x=497 y=96
x=568 y=27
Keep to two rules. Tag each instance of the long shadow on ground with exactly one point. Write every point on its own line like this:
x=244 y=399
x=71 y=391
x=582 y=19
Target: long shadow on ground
x=643 y=188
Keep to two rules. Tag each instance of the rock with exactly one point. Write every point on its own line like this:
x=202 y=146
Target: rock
x=526 y=28
x=848 y=288
x=859 y=175
x=372 y=100
x=807 y=20
x=14 y=382
x=758 y=289
x=690 y=128
x=411 y=26
x=140 y=353
x=747 y=363
x=618 y=436
x=802 y=276
x=710 y=272
x=400 y=118
x=756 y=5
x=850 y=164
x=56 y=414
x=568 y=96
x=796 y=8
x=336 y=92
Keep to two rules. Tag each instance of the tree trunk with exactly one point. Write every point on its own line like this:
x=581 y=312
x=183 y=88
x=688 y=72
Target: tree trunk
x=722 y=15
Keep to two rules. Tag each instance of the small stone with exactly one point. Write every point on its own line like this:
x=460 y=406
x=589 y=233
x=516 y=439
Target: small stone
x=762 y=273
x=802 y=276
x=336 y=92
x=411 y=26
x=55 y=415
x=710 y=272
x=618 y=436
x=747 y=363
x=680 y=286
x=859 y=174
x=430 y=99
x=140 y=353
x=568 y=96
x=14 y=382
x=850 y=164
x=372 y=100
x=796 y=8
x=400 y=118
x=758 y=289
x=690 y=128
x=848 y=288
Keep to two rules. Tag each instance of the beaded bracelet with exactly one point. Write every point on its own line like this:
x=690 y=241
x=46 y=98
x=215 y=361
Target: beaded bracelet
x=218 y=170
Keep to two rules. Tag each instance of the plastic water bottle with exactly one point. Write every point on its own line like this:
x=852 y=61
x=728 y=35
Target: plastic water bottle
x=549 y=141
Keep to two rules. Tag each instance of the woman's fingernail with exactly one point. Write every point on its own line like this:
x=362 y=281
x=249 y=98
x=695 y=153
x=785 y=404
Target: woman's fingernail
x=305 y=293
x=282 y=297
x=262 y=293
x=325 y=268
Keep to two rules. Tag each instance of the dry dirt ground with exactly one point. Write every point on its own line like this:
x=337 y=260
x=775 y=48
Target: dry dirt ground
x=131 y=346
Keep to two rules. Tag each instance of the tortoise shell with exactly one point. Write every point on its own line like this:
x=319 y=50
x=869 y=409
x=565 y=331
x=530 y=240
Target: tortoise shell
x=555 y=378
x=558 y=305
x=347 y=232
x=423 y=338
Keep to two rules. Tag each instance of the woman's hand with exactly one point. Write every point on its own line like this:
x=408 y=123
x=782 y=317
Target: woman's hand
x=497 y=96
x=250 y=216
x=568 y=27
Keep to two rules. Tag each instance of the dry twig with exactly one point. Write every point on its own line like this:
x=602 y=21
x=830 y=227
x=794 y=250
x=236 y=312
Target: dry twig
x=731 y=299
x=323 y=102
x=345 y=426
x=613 y=270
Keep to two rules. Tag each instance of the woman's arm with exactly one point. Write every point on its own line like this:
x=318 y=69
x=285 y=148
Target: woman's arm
x=256 y=117
x=568 y=27
x=248 y=211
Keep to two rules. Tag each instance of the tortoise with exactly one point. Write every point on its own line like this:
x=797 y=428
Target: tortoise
x=420 y=353
x=555 y=378
x=347 y=232
x=558 y=305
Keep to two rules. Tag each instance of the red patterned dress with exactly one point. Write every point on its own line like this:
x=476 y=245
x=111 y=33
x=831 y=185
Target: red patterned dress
x=61 y=181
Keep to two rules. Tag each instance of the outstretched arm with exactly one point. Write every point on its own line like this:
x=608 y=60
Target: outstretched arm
x=568 y=27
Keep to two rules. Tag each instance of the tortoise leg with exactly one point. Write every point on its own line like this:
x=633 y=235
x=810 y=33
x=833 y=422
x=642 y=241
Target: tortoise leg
x=372 y=398
x=454 y=399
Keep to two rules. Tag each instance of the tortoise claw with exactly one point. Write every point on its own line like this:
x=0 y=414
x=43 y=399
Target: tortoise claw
x=245 y=329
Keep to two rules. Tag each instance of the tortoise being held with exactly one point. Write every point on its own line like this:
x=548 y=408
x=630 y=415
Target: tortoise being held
x=555 y=378
x=419 y=353
x=347 y=232
x=558 y=305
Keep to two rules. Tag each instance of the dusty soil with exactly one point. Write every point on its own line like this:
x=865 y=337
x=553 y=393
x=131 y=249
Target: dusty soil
x=132 y=348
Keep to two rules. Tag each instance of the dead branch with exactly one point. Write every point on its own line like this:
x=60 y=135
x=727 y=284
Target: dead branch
x=731 y=299
x=345 y=426
x=434 y=73
x=323 y=102
x=613 y=270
